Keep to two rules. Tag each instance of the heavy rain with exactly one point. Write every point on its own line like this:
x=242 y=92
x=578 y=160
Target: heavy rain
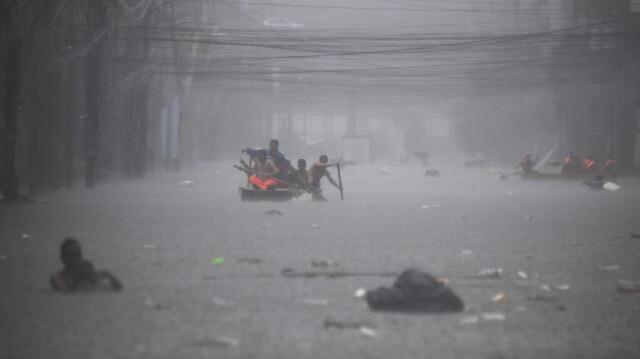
x=470 y=185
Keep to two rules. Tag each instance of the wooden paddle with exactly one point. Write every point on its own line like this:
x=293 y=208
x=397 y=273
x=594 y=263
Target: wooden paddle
x=340 y=181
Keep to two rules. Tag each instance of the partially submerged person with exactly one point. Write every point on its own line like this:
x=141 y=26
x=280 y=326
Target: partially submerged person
x=597 y=183
x=78 y=274
x=301 y=178
x=319 y=170
x=527 y=164
x=260 y=176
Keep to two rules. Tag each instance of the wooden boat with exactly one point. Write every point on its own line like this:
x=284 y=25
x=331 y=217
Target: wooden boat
x=274 y=195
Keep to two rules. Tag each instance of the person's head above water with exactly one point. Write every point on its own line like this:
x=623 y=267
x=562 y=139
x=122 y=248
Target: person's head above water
x=324 y=159
x=71 y=253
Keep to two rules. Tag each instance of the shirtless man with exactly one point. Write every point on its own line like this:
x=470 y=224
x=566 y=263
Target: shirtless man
x=78 y=274
x=262 y=171
x=319 y=170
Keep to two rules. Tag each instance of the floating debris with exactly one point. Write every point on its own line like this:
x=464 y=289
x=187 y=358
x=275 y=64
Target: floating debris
x=432 y=173
x=220 y=342
x=368 y=332
x=219 y=260
x=323 y=263
x=317 y=301
x=472 y=319
x=273 y=212
x=610 y=186
x=186 y=183
x=429 y=206
x=628 y=286
x=608 y=269
x=561 y=287
x=500 y=297
x=489 y=273
x=360 y=293
x=155 y=304
x=493 y=316
x=222 y=302
x=522 y=274
x=249 y=260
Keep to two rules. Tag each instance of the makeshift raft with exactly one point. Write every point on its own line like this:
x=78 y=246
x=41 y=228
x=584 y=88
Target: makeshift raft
x=274 y=195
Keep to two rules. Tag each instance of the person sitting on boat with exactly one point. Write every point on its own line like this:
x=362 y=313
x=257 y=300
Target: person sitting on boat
x=527 y=164
x=285 y=171
x=262 y=172
x=319 y=170
x=273 y=154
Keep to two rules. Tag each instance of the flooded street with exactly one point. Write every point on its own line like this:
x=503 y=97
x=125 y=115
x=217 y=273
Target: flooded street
x=202 y=269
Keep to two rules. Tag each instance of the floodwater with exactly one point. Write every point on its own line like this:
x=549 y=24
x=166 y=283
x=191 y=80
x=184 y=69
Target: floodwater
x=202 y=269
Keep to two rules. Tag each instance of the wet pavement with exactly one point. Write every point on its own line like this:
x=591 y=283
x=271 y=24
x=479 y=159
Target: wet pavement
x=202 y=270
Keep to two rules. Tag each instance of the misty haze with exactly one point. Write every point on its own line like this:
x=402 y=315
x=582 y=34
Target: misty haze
x=468 y=186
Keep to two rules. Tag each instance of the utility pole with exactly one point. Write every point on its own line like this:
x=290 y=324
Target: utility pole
x=93 y=72
x=12 y=75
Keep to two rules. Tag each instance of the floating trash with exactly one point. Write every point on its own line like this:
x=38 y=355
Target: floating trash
x=522 y=274
x=249 y=260
x=273 y=212
x=500 y=297
x=323 y=263
x=219 y=260
x=222 y=302
x=220 y=342
x=316 y=226
x=489 y=273
x=628 y=286
x=360 y=293
x=470 y=319
x=317 y=301
x=185 y=183
x=429 y=206
x=610 y=268
x=155 y=304
x=466 y=252
x=493 y=316
x=368 y=332
x=26 y=236
x=610 y=186
x=561 y=287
